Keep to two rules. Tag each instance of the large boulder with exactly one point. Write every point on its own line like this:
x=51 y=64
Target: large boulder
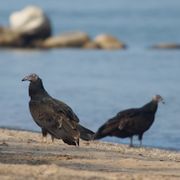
x=106 y=41
x=68 y=39
x=31 y=22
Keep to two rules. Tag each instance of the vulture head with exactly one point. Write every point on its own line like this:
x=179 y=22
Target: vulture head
x=36 y=85
x=157 y=98
x=32 y=78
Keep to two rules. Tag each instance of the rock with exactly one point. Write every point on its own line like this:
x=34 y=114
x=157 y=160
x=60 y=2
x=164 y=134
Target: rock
x=69 y=39
x=31 y=22
x=9 y=38
x=106 y=41
x=166 y=46
x=91 y=45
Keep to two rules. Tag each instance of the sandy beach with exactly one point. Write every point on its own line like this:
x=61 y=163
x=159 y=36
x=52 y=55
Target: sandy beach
x=24 y=156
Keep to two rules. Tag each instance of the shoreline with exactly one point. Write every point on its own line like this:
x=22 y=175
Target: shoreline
x=109 y=142
x=23 y=155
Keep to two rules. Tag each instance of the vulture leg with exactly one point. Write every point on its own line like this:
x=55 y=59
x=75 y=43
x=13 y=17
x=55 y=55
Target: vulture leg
x=44 y=135
x=77 y=143
x=140 y=139
x=131 y=141
x=52 y=138
x=140 y=145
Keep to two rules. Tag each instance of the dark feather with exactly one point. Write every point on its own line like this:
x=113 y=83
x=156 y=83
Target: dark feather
x=56 y=123
x=53 y=116
x=85 y=133
x=130 y=122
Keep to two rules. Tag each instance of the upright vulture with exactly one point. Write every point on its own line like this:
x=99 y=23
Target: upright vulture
x=130 y=122
x=54 y=116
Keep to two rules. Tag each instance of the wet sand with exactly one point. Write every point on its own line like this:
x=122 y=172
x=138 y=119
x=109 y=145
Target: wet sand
x=24 y=156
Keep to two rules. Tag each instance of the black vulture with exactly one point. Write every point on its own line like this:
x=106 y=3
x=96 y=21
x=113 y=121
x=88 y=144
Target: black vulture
x=54 y=116
x=131 y=122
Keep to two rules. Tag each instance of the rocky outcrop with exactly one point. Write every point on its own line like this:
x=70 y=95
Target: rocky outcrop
x=69 y=39
x=105 y=41
x=166 y=46
x=9 y=38
x=31 y=28
x=91 y=45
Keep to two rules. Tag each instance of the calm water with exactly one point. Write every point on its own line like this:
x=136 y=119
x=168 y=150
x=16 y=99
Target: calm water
x=98 y=84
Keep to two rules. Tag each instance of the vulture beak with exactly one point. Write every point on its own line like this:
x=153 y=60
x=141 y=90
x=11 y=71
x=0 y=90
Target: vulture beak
x=162 y=100
x=26 y=78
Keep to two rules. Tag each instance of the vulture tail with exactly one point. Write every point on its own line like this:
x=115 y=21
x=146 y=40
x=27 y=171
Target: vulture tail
x=107 y=129
x=101 y=133
x=85 y=133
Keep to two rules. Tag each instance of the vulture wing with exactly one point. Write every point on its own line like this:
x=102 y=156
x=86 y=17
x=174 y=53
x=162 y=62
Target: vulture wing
x=117 y=123
x=48 y=115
